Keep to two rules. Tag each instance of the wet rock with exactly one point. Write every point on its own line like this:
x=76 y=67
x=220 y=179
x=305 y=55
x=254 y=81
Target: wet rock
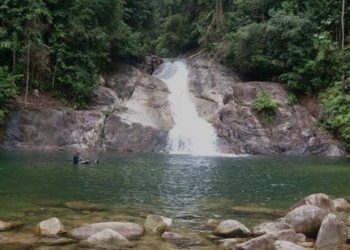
x=257 y=211
x=56 y=242
x=4 y=226
x=212 y=223
x=266 y=242
x=171 y=236
x=157 y=224
x=287 y=245
x=227 y=244
x=318 y=200
x=84 y=206
x=231 y=228
x=21 y=240
x=126 y=229
x=107 y=239
x=271 y=227
x=332 y=234
x=341 y=205
x=306 y=219
x=50 y=228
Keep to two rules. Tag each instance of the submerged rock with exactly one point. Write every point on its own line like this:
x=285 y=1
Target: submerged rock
x=306 y=219
x=107 y=239
x=231 y=228
x=171 y=236
x=4 y=226
x=257 y=211
x=84 y=206
x=157 y=224
x=126 y=229
x=271 y=227
x=50 y=228
x=287 y=245
x=318 y=200
x=332 y=234
x=57 y=242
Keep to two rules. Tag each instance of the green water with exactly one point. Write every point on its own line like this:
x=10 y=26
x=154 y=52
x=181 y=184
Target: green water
x=187 y=188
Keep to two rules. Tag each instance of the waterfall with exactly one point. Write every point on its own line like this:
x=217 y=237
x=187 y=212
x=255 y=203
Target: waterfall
x=191 y=134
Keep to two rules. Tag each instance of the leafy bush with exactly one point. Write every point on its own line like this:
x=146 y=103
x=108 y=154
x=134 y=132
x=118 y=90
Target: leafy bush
x=265 y=106
x=336 y=104
x=8 y=90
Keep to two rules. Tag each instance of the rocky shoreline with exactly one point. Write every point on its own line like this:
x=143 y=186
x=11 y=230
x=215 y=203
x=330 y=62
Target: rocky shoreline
x=316 y=222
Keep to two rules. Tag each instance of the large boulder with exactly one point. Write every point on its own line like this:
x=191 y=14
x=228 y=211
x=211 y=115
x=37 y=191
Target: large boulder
x=287 y=245
x=332 y=234
x=271 y=227
x=306 y=219
x=231 y=228
x=318 y=200
x=107 y=239
x=341 y=205
x=126 y=229
x=50 y=228
x=266 y=242
x=157 y=224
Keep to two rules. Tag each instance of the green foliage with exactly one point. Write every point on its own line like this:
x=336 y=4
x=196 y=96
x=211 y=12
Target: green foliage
x=8 y=90
x=178 y=36
x=336 y=104
x=265 y=106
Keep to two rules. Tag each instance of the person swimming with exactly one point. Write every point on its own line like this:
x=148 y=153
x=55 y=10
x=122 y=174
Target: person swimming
x=78 y=160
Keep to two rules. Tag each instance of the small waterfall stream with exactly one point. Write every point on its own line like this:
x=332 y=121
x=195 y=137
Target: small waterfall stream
x=191 y=134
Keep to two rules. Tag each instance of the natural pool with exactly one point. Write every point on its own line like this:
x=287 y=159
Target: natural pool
x=189 y=189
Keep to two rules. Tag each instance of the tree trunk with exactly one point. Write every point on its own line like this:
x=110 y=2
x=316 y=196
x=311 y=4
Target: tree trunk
x=14 y=56
x=54 y=76
x=343 y=41
x=27 y=77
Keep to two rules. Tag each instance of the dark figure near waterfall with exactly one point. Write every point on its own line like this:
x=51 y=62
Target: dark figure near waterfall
x=76 y=158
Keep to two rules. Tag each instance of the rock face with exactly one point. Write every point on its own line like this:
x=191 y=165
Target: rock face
x=130 y=114
x=126 y=229
x=231 y=228
x=157 y=224
x=306 y=219
x=50 y=228
x=223 y=99
x=332 y=234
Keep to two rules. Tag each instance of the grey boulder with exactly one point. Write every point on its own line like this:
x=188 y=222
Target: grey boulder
x=231 y=228
x=126 y=229
x=306 y=219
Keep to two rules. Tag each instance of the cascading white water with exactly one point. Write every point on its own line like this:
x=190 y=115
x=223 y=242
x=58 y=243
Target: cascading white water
x=191 y=134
